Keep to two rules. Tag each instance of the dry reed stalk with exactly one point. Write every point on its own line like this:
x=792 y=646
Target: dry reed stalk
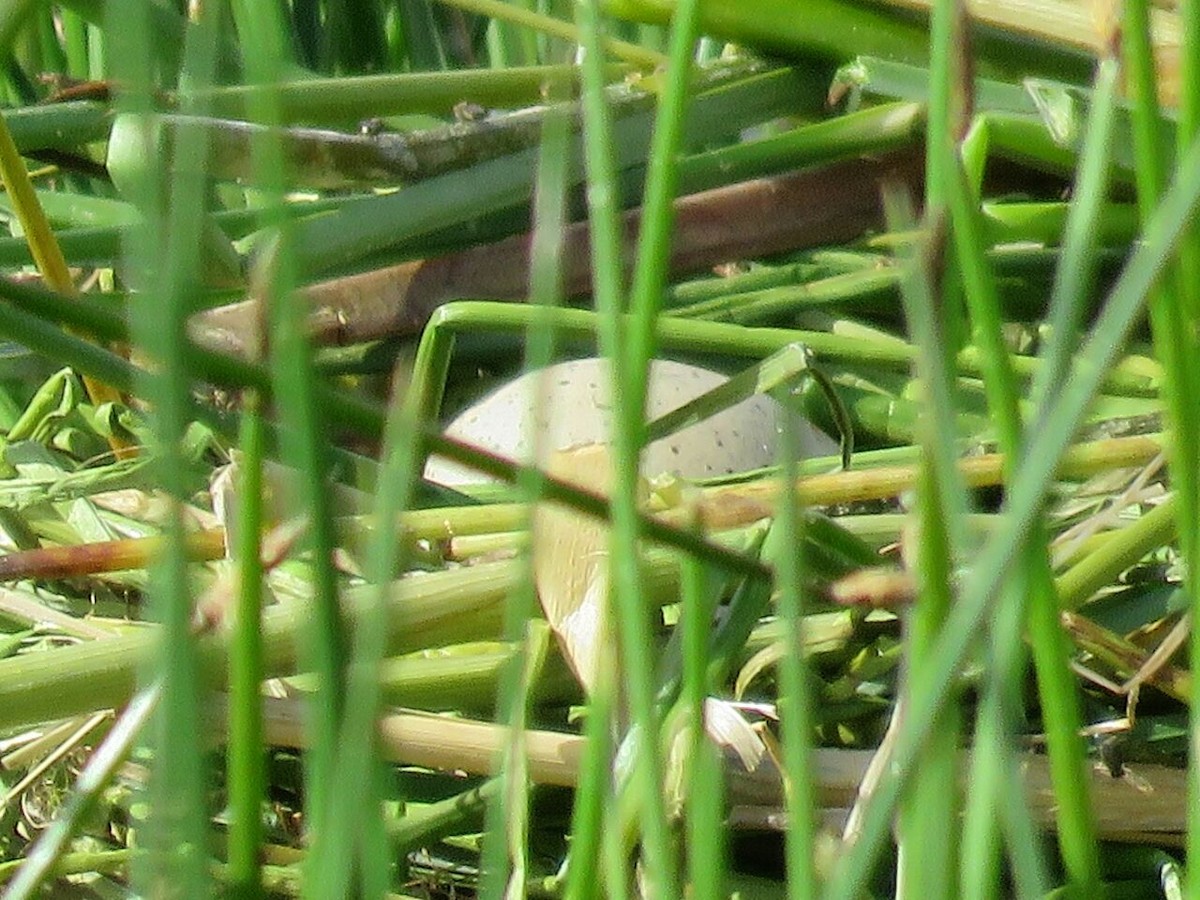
x=1147 y=804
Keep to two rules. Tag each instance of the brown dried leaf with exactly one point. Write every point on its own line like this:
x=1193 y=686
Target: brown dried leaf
x=570 y=564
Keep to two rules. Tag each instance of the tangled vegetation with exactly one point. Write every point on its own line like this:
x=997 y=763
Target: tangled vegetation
x=930 y=636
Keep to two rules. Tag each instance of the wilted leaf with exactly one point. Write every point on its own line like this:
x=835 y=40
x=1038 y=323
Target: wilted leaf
x=570 y=564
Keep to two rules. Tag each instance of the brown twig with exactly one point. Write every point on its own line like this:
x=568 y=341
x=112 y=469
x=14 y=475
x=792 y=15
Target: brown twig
x=751 y=219
x=103 y=556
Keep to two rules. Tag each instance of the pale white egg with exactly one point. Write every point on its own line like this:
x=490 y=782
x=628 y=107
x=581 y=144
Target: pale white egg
x=568 y=404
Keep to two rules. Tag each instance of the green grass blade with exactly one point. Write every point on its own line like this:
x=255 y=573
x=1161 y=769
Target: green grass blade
x=646 y=775
x=1172 y=308
x=1077 y=270
x=785 y=551
x=341 y=101
x=507 y=817
x=933 y=801
x=1189 y=261
x=178 y=853
x=304 y=442
x=998 y=715
x=838 y=30
x=353 y=809
x=247 y=773
x=654 y=236
x=511 y=12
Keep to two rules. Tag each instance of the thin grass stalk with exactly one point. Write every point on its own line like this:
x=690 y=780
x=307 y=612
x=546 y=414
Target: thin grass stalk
x=1168 y=319
x=509 y=44
x=705 y=862
x=1169 y=323
x=273 y=17
x=434 y=92
x=355 y=810
x=545 y=293
x=442 y=818
x=51 y=57
x=184 y=832
x=1050 y=435
x=376 y=860
x=929 y=809
x=946 y=103
x=1187 y=127
x=991 y=765
x=1024 y=842
x=179 y=780
x=246 y=769
x=1076 y=270
x=594 y=787
x=649 y=279
x=592 y=793
x=422 y=39
x=705 y=825
x=646 y=776
x=97 y=56
x=304 y=443
x=512 y=13
x=1059 y=702
x=994 y=764
x=925 y=867
x=614 y=853
x=1130 y=376
x=654 y=235
x=1051 y=648
x=31 y=330
x=1187 y=124
x=796 y=722
x=179 y=848
x=993 y=759
x=75 y=44
x=42 y=244
x=874 y=130
x=1172 y=319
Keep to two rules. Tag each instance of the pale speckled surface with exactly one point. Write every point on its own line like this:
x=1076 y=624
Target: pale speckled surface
x=568 y=404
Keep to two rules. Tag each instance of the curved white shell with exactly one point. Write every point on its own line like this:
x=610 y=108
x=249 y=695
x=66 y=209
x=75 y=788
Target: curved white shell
x=568 y=405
